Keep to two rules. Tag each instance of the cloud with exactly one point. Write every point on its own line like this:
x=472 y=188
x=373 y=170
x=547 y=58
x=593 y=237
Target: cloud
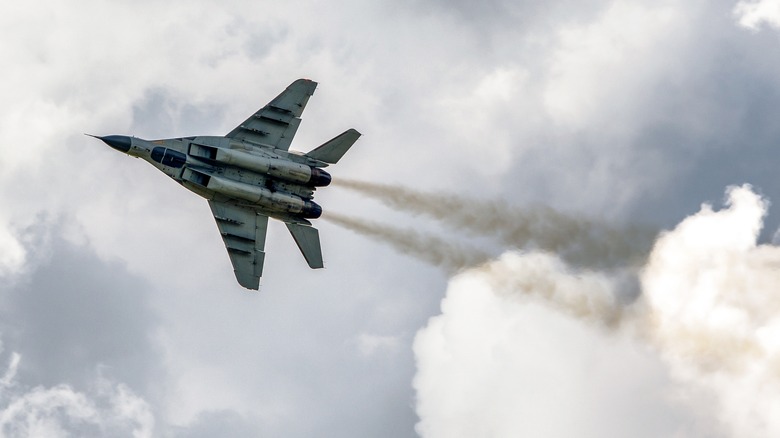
x=512 y=355
x=71 y=313
x=371 y=344
x=709 y=308
x=631 y=110
x=107 y=408
x=217 y=423
x=713 y=309
x=608 y=47
x=12 y=254
x=60 y=411
x=752 y=14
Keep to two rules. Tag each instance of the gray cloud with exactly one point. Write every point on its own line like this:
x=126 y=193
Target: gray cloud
x=495 y=17
x=219 y=423
x=623 y=110
x=161 y=114
x=73 y=316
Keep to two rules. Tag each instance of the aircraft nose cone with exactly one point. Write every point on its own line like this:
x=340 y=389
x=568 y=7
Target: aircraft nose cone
x=119 y=142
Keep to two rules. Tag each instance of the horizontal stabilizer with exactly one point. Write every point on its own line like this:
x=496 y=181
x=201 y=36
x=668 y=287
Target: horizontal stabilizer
x=308 y=240
x=332 y=151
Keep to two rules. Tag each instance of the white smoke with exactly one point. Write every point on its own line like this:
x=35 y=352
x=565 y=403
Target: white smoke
x=108 y=409
x=710 y=309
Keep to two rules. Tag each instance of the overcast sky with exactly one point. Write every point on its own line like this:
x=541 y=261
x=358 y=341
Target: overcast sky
x=119 y=311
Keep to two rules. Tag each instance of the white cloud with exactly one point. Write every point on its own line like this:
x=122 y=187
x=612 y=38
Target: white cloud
x=370 y=344
x=12 y=254
x=499 y=362
x=714 y=302
x=13 y=365
x=60 y=411
x=108 y=409
x=754 y=13
x=599 y=68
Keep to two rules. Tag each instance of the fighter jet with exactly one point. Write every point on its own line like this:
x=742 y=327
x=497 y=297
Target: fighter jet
x=250 y=175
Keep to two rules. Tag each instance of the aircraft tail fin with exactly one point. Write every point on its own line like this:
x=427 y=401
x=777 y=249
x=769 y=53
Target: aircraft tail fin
x=308 y=240
x=332 y=151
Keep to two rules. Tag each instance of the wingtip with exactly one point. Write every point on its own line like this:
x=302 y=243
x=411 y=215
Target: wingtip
x=312 y=85
x=250 y=284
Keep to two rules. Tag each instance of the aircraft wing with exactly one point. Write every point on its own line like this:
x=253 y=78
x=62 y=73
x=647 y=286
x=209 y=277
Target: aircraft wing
x=243 y=231
x=276 y=123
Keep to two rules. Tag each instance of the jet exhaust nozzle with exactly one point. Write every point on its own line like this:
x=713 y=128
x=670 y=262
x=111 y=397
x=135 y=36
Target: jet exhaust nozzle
x=319 y=178
x=122 y=143
x=311 y=210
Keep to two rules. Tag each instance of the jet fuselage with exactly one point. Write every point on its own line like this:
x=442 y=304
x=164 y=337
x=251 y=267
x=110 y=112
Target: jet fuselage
x=279 y=183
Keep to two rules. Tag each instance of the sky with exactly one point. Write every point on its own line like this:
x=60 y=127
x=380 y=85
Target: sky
x=572 y=233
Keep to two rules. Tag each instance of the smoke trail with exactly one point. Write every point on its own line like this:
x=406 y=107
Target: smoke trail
x=710 y=308
x=513 y=274
x=581 y=242
x=587 y=296
x=431 y=249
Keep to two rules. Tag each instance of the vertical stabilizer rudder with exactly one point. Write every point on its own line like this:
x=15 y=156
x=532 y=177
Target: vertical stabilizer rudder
x=332 y=151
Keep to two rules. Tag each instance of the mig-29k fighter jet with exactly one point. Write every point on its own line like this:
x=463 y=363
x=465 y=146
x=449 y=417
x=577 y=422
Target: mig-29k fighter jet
x=250 y=175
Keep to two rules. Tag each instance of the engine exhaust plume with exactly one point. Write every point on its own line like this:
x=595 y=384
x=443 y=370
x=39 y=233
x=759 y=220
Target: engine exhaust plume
x=709 y=307
x=428 y=248
x=581 y=242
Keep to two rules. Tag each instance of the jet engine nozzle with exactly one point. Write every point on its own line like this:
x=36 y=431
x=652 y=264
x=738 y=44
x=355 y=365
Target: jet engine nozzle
x=122 y=143
x=319 y=178
x=311 y=210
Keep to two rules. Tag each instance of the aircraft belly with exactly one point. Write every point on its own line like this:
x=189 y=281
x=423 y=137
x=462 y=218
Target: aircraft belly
x=257 y=195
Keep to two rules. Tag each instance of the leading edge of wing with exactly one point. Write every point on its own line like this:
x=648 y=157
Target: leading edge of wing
x=276 y=123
